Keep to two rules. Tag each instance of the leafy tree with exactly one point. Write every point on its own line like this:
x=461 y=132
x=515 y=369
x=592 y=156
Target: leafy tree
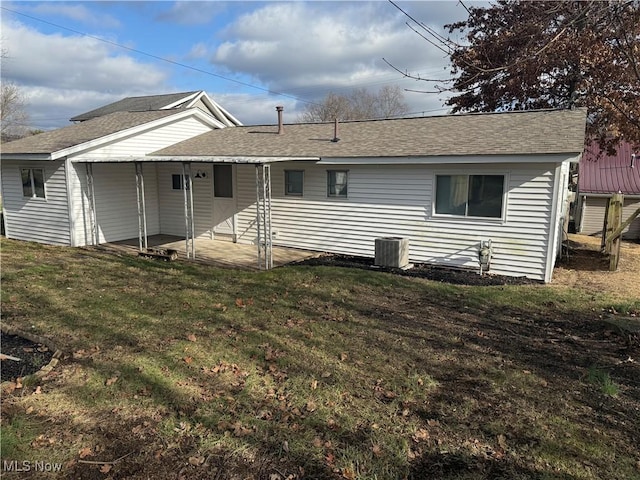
x=545 y=54
x=388 y=102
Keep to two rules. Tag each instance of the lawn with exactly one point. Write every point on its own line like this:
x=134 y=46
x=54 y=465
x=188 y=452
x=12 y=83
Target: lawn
x=177 y=370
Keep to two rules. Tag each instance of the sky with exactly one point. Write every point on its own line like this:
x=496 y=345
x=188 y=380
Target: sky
x=71 y=57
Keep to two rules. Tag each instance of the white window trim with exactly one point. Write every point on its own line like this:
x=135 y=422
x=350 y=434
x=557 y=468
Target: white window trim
x=327 y=183
x=286 y=194
x=33 y=190
x=505 y=190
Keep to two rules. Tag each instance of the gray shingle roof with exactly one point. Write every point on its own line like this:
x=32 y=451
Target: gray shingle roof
x=55 y=140
x=514 y=133
x=134 y=104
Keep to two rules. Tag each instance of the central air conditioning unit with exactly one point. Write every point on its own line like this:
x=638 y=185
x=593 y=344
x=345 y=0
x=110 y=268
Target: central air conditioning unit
x=392 y=252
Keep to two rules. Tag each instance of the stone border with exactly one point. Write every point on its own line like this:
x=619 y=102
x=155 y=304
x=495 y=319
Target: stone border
x=36 y=339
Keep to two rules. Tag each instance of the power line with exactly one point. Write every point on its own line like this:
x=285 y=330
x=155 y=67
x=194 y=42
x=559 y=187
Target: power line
x=140 y=52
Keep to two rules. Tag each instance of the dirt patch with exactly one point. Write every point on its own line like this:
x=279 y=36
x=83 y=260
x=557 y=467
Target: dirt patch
x=584 y=266
x=33 y=356
x=420 y=270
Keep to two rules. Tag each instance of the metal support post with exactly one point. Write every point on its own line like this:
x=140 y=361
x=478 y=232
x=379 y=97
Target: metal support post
x=142 y=209
x=188 y=210
x=263 y=216
x=91 y=198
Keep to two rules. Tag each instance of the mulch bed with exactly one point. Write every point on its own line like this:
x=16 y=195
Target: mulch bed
x=33 y=356
x=419 y=270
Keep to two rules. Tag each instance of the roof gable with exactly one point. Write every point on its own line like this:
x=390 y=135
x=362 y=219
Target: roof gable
x=172 y=101
x=138 y=104
x=94 y=130
x=508 y=133
x=602 y=173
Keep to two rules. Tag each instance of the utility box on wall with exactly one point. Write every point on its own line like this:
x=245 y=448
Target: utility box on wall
x=392 y=252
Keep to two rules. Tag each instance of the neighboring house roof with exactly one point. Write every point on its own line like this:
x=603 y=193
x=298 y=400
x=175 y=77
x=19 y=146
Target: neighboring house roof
x=137 y=104
x=601 y=173
x=55 y=140
x=508 y=133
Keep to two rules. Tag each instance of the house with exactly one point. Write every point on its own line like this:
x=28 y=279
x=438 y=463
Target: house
x=602 y=175
x=46 y=178
x=448 y=184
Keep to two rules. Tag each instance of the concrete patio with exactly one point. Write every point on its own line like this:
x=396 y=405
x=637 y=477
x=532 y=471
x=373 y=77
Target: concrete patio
x=223 y=253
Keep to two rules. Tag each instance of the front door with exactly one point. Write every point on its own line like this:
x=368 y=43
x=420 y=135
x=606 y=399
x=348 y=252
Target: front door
x=224 y=201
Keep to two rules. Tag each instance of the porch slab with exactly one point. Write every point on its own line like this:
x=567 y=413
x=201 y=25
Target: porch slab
x=222 y=253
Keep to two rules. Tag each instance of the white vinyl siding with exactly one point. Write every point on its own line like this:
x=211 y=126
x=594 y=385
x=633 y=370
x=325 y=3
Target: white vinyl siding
x=396 y=201
x=44 y=220
x=149 y=141
x=117 y=203
x=594 y=208
x=171 y=202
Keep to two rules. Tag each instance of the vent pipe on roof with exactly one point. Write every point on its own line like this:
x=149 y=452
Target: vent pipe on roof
x=633 y=160
x=335 y=138
x=279 y=108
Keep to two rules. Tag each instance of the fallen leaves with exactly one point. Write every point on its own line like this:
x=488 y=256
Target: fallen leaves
x=110 y=381
x=376 y=450
x=85 y=452
x=220 y=306
x=420 y=435
x=241 y=303
x=196 y=460
x=192 y=338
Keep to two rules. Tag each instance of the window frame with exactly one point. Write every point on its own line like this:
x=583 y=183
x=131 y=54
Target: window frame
x=182 y=182
x=503 y=207
x=346 y=184
x=32 y=183
x=287 y=183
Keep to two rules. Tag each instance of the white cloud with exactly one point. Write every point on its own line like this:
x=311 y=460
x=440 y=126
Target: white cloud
x=199 y=50
x=77 y=12
x=310 y=49
x=75 y=72
x=191 y=13
x=252 y=109
x=53 y=107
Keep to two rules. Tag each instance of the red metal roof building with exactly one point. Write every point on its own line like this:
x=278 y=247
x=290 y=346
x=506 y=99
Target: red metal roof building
x=601 y=175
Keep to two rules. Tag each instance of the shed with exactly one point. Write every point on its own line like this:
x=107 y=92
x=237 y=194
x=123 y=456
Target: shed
x=600 y=176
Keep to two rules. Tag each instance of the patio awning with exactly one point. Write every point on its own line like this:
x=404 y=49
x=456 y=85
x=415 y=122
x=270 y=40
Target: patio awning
x=195 y=159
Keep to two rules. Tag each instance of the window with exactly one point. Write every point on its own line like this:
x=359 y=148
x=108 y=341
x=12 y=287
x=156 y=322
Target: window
x=223 y=181
x=293 y=182
x=178 y=182
x=470 y=195
x=32 y=182
x=337 y=183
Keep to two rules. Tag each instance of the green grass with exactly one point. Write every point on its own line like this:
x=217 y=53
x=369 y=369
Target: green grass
x=309 y=372
x=601 y=379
